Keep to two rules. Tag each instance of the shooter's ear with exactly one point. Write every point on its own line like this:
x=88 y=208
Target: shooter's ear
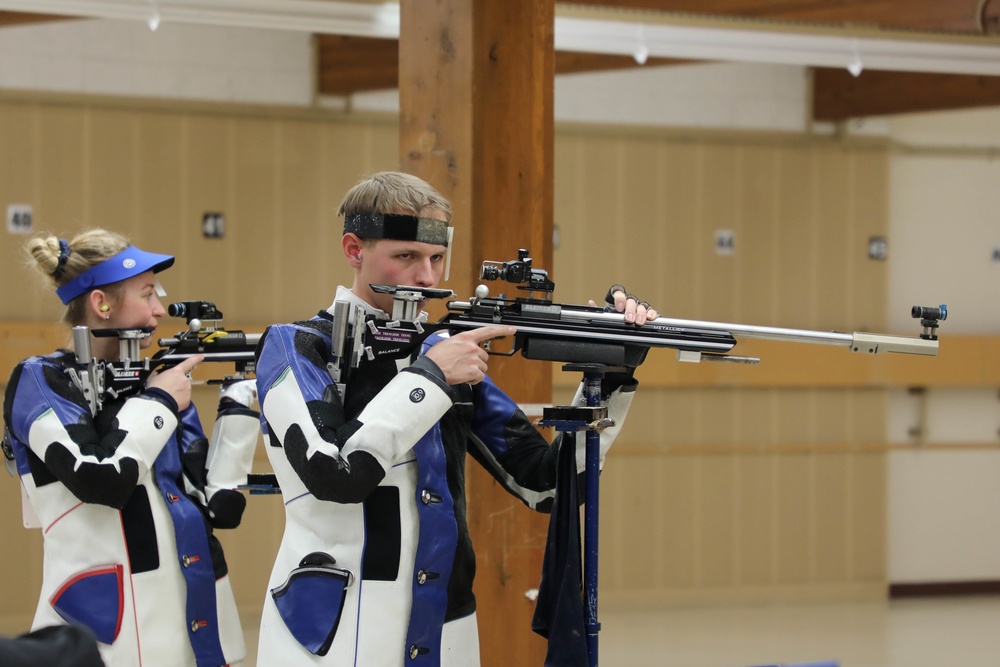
x=352 y=246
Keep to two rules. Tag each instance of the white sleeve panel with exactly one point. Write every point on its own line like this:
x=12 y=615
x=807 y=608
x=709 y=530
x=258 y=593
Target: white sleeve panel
x=284 y=407
x=230 y=451
x=399 y=415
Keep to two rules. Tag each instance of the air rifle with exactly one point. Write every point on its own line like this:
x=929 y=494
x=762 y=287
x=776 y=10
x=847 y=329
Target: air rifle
x=551 y=331
x=102 y=380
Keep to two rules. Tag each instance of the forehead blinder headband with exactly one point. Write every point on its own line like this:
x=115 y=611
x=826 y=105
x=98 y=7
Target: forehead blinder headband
x=398 y=227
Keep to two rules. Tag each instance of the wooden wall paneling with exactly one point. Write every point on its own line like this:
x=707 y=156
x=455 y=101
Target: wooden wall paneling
x=569 y=218
x=870 y=408
x=869 y=512
x=797 y=240
x=870 y=172
x=717 y=522
x=681 y=286
x=18 y=185
x=755 y=520
x=757 y=415
x=62 y=135
x=795 y=523
x=628 y=551
x=796 y=415
x=111 y=168
x=160 y=224
x=656 y=288
x=678 y=521
x=757 y=287
x=720 y=191
x=718 y=415
x=831 y=489
x=60 y=140
x=640 y=233
x=308 y=247
x=208 y=186
x=666 y=417
x=21 y=558
x=835 y=219
x=254 y=227
x=605 y=228
x=684 y=413
x=382 y=151
x=833 y=418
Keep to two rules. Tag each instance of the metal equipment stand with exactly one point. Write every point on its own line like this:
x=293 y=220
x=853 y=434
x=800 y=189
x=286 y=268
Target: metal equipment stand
x=593 y=419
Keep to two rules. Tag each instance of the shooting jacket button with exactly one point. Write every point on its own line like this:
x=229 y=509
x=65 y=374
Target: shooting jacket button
x=187 y=561
x=426 y=497
x=197 y=625
x=423 y=576
x=171 y=498
x=417 y=651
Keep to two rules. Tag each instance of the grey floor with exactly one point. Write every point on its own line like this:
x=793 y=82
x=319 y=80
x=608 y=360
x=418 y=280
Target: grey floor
x=937 y=632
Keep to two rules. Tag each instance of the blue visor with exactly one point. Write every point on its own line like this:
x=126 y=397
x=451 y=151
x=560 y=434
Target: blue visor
x=129 y=262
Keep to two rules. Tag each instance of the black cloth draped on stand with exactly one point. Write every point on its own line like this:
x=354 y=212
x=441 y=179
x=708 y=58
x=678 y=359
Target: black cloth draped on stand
x=559 y=613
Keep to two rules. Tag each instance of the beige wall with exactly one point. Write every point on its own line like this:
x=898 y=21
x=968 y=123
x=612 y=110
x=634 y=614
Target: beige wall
x=710 y=493
x=152 y=173
x=725 y=493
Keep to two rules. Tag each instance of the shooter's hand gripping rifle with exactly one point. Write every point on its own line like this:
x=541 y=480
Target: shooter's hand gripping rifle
x=102 y=380
x=583 y=334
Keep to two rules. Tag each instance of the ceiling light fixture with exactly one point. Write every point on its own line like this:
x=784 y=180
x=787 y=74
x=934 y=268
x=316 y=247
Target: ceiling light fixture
x=574 y=31
x=855 y=66
x=641 y=53
x=154 y=18
x=966 y=56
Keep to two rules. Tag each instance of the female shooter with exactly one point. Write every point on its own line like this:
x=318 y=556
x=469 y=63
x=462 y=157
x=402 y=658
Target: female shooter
x=127 y=497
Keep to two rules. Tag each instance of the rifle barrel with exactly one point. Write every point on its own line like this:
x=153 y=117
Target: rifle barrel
x=867 y=343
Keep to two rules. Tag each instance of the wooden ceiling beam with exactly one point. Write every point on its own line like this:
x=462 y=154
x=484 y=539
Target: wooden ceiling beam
x=839 y=96
x=21 y=18
x=349 y=64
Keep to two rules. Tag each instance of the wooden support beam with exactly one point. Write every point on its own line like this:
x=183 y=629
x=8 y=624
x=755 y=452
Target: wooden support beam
x=838 y=96
x=476 y=121
x=348 y=64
